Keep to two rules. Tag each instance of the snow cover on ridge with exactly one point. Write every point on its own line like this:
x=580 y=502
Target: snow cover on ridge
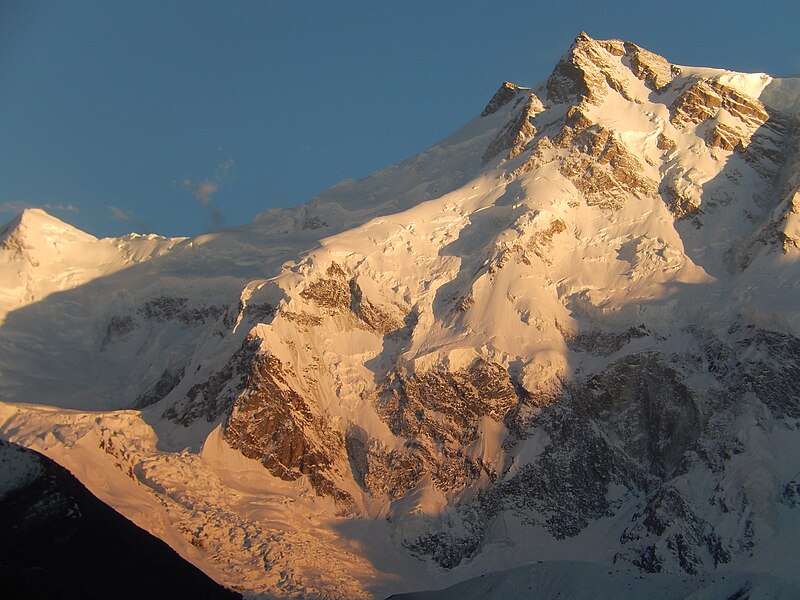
x=779 y=93
x=17 y=468
x=566 y=332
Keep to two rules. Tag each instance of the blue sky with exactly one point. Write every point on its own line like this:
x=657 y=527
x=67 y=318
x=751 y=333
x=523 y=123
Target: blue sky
x=182 y=117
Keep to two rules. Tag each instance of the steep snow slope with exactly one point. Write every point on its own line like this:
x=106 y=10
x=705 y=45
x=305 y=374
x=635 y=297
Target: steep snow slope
x=567 y=332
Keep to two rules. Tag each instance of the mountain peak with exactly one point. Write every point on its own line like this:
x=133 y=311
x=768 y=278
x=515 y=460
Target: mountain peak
x=34 y=227
x=591 y=66
x=505 y=93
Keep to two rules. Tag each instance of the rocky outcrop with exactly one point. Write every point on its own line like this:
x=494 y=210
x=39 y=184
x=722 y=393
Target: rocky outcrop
x=636 y=425
x=599 y=165
x=703 y=99
x=593 y=159
x=215 y=396
x=314 y=222
x=626 y=427
x=722 y=136
x=769 y=147
x=602 y=343
x=577 y=76
x=439 y=412
x=790 y=496
x=336 y=294
x=517 y=132
x=769 y=369
x=118 y=329
x=777 y=164
x=266 y=419
x=681 y=535
x=331 y=293
x=380 y=319
x=541 y=241
x=159 y=389
x=272 y=423
x=162 y=310
x=651 y=68
x=505 y=94
x=588 y=71
x=681 y=199
x=165 y=308
x=381 y=472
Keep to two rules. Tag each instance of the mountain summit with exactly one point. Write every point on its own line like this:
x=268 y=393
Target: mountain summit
x=567 y=331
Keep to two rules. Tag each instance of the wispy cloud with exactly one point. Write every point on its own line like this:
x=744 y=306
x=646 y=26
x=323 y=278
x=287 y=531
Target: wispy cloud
x=224 y=168
x=204 y=191
x=15 y=206
x=119 y=214
x=128 y=216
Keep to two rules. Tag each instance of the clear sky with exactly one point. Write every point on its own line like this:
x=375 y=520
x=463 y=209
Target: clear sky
x=182 y=117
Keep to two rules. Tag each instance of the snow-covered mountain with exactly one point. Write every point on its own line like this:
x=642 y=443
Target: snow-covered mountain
x=568 y=332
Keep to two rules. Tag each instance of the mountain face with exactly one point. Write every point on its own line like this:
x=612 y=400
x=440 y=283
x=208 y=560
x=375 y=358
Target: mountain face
x=566 y=332
x=60 y=541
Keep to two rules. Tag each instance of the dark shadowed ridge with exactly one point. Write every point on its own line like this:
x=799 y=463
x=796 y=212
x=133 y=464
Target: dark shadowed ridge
x=57 y=540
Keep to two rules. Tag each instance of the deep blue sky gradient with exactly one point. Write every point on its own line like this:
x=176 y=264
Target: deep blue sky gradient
x=113 y=113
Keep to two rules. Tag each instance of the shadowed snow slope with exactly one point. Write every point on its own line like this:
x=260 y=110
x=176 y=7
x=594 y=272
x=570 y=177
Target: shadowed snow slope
x=568 y=332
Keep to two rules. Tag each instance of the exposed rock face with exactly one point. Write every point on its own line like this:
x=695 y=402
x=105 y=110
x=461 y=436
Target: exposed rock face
x=214 y=397
x=584 y=74
x=791 y=494
x=505 y=94
x=679 y=542
x=768 y=148
x=770 y=370
x=441 y=411
x=331 y=293
x=380 y=319
x=626 y=427
x=651 y=68
x=601 y=343
x=682 y=203
x=722 y=136
x=517 y=132
x=272 y=423
x=162 y=310
x=540 y=243
x=118 y=329
x=774 y=153
x=640 y=403
x=599 y=165
x=338 y=295
x=637 y=426
x=314 y=222
x=574 y=78
x=483 y=389
x=702 y=100
x=167 y=382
